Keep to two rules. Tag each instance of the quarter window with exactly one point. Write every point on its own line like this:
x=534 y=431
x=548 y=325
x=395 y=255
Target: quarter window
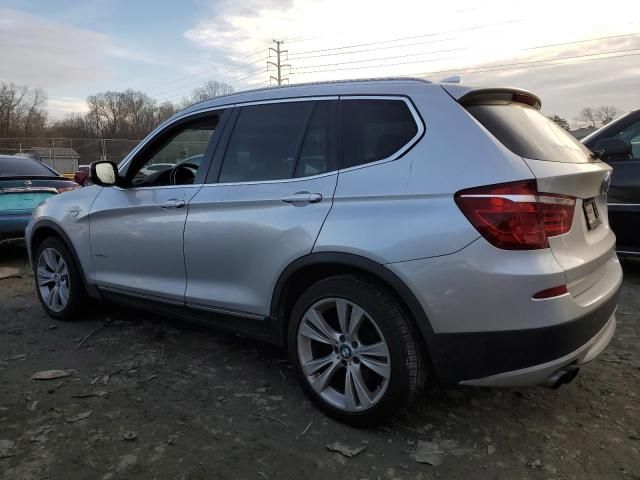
x=373 y=130
x=265 y=142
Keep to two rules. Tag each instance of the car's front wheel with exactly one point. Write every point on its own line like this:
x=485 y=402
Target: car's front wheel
x=354 y=350
x=58 y=281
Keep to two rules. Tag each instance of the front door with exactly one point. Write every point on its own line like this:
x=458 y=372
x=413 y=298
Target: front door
x=137 y=227
x=270 y=189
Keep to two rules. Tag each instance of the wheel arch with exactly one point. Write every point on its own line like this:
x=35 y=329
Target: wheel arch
x=303 y=272
x=45 y=229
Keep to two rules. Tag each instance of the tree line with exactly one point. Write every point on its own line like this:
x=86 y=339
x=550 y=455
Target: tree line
x=589 y=117
x=128 y=114
x=132 y=114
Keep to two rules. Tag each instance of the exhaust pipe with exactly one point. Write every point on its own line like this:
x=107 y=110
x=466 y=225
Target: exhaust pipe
x=561 y=377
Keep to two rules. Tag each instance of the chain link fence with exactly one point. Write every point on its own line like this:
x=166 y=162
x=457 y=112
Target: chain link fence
x=68 y=152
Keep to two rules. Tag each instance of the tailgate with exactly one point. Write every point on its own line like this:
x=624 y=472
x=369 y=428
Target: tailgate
x=561 y=165
x=584 y=251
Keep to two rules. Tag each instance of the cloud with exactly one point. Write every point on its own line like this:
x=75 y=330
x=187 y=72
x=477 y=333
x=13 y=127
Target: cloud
x=497 y=32
x=589 y=79
x=63 y=106
x=40 y=53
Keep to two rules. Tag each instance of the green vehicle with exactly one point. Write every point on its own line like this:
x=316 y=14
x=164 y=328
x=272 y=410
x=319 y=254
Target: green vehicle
x=24 y=184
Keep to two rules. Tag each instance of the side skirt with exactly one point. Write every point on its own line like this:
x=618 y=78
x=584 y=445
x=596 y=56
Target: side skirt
x=246 y=324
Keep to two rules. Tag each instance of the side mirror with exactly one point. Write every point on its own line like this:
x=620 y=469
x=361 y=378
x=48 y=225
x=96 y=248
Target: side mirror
x=104 y=173
x=613 y=149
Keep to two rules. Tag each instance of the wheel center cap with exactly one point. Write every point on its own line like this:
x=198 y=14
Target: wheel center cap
x=346 y=352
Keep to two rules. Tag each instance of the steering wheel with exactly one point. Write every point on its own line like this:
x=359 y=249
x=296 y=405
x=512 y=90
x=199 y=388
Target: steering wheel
x=184 y=170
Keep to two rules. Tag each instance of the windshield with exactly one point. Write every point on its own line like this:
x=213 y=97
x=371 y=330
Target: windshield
x=528 y=133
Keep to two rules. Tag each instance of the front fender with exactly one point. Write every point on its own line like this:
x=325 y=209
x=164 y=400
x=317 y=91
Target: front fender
x=67 y=216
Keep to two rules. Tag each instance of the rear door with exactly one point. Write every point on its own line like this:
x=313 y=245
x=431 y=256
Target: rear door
x=268 y=192
x=561 y=165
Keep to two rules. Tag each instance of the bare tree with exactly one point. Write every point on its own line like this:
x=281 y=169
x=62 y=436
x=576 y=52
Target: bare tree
x=35 y=118
x=21 y=113
x=211 y=89
x=606 y=113
x=597 y=117
x=587 y=117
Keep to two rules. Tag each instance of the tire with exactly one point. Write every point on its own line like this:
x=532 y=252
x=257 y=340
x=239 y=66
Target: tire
x=383 y=323
x=53 y=249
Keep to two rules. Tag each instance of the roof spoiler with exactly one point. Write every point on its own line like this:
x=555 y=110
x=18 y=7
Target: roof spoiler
x=470 y=96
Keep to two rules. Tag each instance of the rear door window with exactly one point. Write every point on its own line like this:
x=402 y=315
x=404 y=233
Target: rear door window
x=374 y=129
x=528 y=133
x=318 y=150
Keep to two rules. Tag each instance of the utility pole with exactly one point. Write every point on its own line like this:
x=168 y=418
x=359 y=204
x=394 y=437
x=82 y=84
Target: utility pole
x=278 y=64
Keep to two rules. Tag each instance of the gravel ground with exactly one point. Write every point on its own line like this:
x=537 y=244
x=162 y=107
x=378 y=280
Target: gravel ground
x=150 y=398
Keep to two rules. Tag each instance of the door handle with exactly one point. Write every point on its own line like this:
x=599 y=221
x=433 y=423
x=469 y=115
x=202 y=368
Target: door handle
x=302 y=197
x=173 y=203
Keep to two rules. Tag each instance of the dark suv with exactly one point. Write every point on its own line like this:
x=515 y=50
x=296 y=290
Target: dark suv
x=619 y=145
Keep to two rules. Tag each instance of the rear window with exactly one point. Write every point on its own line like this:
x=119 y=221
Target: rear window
x=528 y=133
x=23 y=167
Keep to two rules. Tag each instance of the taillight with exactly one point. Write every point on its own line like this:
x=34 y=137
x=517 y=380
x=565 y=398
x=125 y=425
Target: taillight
x=66 y=189
x=515 y=216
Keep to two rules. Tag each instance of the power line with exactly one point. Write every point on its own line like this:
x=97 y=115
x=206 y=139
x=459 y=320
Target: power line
x=376 y=49
x=184 y=92
x=221 y=75
x=525 y=65
x=475 y=27
x=582 y=41
x=385 y=58
x=449 y=70
x=247 y=57
x=455 y=38
x=302 y=39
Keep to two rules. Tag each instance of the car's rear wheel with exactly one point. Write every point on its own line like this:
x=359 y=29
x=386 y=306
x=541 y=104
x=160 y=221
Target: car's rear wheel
x=354 y=350
x=58 y=281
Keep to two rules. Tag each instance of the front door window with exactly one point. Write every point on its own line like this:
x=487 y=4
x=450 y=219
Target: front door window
x=175 y=157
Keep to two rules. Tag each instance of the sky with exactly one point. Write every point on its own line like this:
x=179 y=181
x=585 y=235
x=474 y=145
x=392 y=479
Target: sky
x=573 y=54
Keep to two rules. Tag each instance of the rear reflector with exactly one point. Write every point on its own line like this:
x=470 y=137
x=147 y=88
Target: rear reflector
x=515 y=216
x=552 y=292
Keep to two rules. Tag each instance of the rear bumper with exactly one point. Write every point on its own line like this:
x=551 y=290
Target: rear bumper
x=540 y=374
x=522 y=357
x=486 y=327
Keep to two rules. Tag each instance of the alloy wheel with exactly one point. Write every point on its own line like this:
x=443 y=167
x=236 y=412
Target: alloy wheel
x=53 y=279
x=343 y=354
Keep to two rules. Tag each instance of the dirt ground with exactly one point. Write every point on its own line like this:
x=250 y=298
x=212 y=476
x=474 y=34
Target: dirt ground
x=152 y=398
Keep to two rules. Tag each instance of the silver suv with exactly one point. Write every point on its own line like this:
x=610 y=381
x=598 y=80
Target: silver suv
x=387 y=232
